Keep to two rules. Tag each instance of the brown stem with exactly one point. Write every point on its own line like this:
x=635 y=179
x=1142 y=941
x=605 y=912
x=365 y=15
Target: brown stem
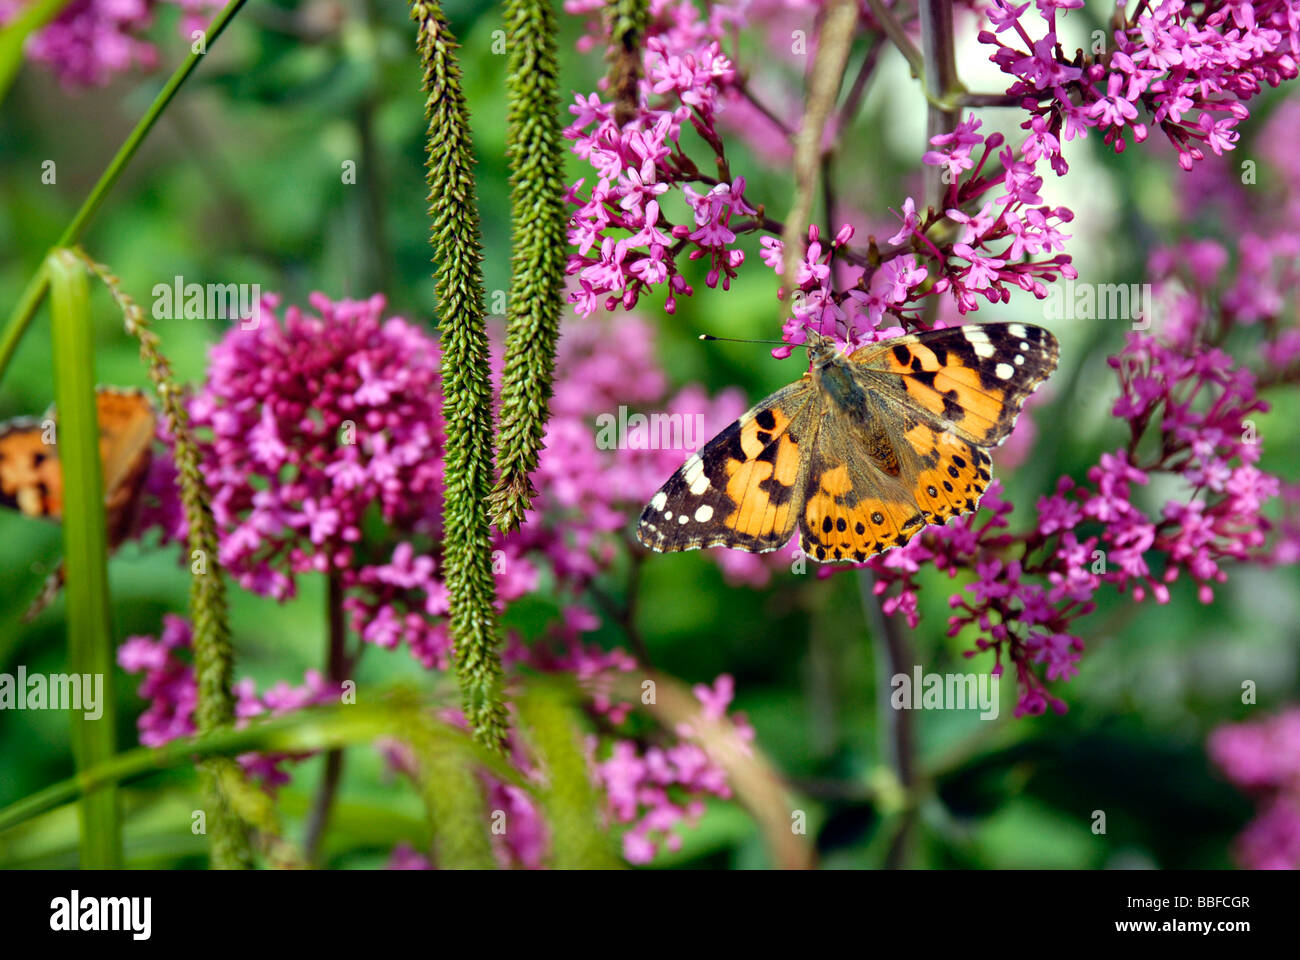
x=338 y=667
x=765 y=110
x=849 y=109
x=940 y=82
x=898 y=736
x=833 y=46
x=989 y=100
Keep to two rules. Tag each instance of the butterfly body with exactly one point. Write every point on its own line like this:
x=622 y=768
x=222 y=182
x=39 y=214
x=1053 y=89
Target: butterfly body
x=863 y=451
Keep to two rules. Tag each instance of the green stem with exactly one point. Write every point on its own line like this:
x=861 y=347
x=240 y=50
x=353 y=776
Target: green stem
x=337 y=670
x=893 y=29
x=570 y=800
x=466 y=380
x=213 y=655
x=941 y=84
x=85 y=544
x=833 y=47
x=538 y=214
x=893 y=655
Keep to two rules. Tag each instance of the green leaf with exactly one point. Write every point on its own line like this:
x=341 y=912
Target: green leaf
x=303 y=731
x=570 y=801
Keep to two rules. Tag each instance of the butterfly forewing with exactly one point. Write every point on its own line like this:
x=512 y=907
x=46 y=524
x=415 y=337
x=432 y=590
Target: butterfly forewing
x=744 y=487
x=126 y=430
x=971 y=380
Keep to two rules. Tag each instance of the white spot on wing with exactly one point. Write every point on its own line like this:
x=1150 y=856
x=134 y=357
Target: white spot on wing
x=983 y=348
x=1018 y=330
x=693 y=469
x=659 y=501
x=682 y=518
x=1004 y=371
x=704 y=514
x=700 y=483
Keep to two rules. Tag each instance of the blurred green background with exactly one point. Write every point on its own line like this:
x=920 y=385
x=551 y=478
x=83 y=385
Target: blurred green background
x=240 y=182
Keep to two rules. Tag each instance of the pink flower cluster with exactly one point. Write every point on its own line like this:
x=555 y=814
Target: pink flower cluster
x=656 y=788
x=1187 y=66
x=317 y=423
x=92 y=41
x=627 y=244
x=170 y=688
x=635 y=244
x=1194 y=404
x=1262 y=758
x=1013 y=242
x=322 y=440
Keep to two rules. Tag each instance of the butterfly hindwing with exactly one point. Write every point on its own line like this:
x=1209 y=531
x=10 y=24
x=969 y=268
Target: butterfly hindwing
x=126 y=431
x=970 y=380
x=744 y=487
x=856 y=503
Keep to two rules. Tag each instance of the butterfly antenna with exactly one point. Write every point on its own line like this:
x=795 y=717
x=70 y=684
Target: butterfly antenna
x=709 y=336
x=49 y=591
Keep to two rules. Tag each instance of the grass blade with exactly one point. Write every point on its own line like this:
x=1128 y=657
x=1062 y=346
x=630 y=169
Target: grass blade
x=317 y=728
x=85 y=546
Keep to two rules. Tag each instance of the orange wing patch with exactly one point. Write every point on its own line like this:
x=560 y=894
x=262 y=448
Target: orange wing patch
x=958 y=479
x=834 y=529
x=31 y=477
x=742 y=489
x=973 y=379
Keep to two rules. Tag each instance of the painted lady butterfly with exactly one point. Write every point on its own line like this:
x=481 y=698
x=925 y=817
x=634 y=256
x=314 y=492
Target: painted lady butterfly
x=31 y=479
x=863 y=451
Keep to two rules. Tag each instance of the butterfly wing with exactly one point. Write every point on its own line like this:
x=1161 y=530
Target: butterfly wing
x=126 y=431
x=859 y=497
x=30 y=479
x=936 y=401
x=744 y=488
x=970 y=380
